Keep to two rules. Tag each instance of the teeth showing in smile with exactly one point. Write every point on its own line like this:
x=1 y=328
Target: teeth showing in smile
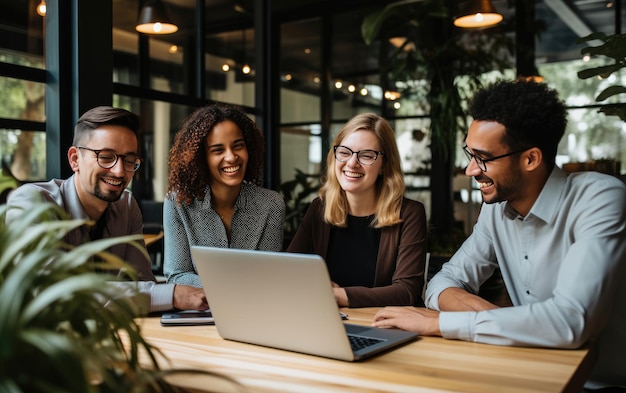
x=484 y=184
x=353 y=174
x=113 y=182
x=231 y=169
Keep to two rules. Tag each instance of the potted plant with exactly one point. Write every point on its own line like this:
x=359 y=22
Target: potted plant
x=56 y=335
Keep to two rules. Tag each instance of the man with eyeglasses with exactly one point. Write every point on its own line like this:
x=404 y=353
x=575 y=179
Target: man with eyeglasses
x=104 y=160
x=559 y=240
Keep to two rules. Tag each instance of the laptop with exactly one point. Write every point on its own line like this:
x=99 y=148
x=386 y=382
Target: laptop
x=284 y=300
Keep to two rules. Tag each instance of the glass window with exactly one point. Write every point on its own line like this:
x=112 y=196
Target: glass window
x=591 y=138
x=301 y=71
x=230 y=67
x=300 y=150
x=22 y=99
x=24 y=152
x=159 y=124
x=21 y=34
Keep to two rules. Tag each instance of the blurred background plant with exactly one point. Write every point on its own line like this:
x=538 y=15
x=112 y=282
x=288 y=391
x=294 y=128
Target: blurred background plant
x=298 y=194
x=614 y=47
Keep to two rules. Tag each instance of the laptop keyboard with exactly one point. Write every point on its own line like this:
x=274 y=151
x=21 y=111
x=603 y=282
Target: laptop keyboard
x=360 y=342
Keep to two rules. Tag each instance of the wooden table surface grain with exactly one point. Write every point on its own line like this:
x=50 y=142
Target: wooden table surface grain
x=429 y=364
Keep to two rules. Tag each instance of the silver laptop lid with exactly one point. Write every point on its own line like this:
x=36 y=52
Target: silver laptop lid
x=275 y=299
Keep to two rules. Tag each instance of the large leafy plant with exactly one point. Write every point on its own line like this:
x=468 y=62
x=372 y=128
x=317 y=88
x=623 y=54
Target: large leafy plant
x=432 y=60
x=614 y=47
x=56 y=335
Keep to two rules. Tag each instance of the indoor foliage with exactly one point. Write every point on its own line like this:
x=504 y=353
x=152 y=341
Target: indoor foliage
x=55 y=333
x=614 y=47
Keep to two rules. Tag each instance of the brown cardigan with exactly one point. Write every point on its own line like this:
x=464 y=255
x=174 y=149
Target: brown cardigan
x=401 y=256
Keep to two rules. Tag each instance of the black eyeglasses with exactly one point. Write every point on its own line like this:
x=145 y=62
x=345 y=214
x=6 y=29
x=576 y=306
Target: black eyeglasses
x=365 y=157
x=108 y=158
x=482 y=162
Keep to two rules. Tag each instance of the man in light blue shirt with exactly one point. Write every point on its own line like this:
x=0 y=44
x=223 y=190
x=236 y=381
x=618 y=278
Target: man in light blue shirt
x=559 y=240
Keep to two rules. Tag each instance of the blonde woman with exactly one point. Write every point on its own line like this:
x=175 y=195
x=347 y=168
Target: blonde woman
x=372 y=238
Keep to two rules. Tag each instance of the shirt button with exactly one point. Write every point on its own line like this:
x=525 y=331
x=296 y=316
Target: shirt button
x=527 y=292
x=526 y=257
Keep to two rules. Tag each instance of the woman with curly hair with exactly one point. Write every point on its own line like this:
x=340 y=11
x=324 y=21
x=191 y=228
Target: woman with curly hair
x=212 y=197
x=372 y=238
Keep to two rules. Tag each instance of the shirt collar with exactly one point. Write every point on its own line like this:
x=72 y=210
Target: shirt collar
x=547 y=204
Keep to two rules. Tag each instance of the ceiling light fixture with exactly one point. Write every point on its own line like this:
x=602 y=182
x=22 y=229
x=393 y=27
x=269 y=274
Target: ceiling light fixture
x=477 y=13
x=41 y=8
x=153 y=19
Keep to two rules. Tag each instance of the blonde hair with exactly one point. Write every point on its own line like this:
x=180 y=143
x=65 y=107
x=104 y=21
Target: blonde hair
x=389 y=185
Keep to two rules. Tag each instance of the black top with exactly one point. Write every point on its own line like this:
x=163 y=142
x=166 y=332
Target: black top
x=352 y=253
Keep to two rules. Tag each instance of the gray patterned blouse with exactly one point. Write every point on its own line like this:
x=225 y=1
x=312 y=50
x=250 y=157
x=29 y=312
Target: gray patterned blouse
x=257 y=224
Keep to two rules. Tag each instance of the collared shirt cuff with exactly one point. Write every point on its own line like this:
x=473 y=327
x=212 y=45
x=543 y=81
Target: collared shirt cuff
x=162 y=298
x=458 y=325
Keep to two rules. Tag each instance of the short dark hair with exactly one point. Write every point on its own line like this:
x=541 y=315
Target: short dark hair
x=103 y=115
x=531 y=113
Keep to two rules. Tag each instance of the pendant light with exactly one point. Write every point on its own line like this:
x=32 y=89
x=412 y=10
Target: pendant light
x=41 y=8
x=477 y=13
x=153 y=19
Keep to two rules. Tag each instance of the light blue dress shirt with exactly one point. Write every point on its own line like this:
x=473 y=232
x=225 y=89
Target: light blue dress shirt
x=564 y=267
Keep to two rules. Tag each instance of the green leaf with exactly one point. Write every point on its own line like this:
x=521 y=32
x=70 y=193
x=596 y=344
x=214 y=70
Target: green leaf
x=619 y=111
x=593 y=36
x=55 y=332
x=69 y=369
x=604 y=71
x=372 y=23
x=610 y=91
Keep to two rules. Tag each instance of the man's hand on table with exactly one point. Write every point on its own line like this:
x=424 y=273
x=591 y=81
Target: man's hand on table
x=416 y=319
x=189 y=298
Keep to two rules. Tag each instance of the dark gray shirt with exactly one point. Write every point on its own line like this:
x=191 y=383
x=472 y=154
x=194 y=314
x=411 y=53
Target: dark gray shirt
x=121 y=218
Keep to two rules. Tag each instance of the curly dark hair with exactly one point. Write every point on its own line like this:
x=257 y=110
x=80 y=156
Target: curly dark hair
x=188 y=171
x=531 y=113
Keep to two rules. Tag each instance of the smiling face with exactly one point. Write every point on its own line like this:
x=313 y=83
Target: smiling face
x=356 y=179
x=503 y=180
x=227 y=155
x=97 y=186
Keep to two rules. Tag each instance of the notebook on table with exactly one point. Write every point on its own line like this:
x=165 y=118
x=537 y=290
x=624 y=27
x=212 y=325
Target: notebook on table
x=283 y=300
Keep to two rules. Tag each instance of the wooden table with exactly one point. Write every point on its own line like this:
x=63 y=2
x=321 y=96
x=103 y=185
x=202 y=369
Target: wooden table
x=430 y=364
x=151 y=238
